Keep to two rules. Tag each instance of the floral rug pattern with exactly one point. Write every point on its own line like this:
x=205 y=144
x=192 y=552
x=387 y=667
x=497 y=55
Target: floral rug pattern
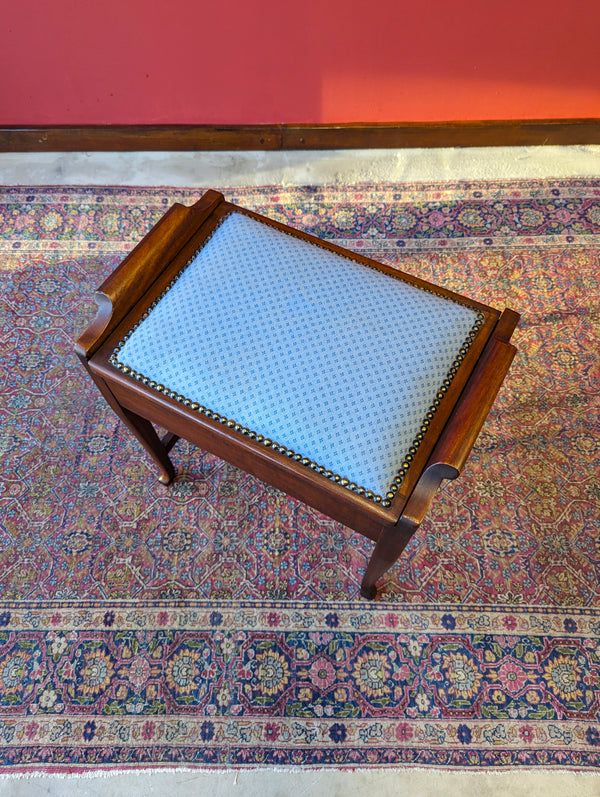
x=217 y=622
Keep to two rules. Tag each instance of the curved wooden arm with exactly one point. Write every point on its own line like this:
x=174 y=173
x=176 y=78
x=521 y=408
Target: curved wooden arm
x=464 y=425
x=132 y=278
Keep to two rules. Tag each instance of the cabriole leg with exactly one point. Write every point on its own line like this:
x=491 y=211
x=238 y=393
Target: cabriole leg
x=388 y=548
x=146 y=434
x=144 y=431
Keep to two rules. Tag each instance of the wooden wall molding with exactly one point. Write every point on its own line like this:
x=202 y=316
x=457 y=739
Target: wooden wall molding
x=129 y=138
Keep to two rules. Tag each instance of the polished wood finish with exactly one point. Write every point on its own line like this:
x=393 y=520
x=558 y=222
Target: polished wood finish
x=524 y=132
x=140 y=269
x=149 y=269
x=129 y=138
x=487 y=133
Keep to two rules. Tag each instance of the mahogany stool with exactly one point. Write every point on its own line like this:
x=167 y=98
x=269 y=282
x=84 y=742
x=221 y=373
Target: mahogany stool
x=346 y=383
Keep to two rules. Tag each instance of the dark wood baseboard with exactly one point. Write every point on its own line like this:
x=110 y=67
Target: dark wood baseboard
x=128 y=138
x=444 y=134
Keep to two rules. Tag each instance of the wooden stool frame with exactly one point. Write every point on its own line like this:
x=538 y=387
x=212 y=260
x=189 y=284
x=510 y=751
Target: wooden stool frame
x=462 y=407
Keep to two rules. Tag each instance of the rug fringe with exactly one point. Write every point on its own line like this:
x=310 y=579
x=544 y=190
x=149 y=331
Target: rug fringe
x=206 y=772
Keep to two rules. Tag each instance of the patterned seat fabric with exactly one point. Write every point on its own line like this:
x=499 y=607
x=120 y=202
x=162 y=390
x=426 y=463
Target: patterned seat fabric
x=337 y=363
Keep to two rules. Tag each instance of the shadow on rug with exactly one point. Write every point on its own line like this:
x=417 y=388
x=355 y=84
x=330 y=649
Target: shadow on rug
x=217 y=622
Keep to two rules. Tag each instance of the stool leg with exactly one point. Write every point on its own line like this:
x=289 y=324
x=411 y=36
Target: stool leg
x=143 y=430
x=146 y=434
x=391 y=543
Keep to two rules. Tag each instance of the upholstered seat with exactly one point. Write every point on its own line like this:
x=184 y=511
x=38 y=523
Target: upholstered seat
x=263 y=340
x=334 y=362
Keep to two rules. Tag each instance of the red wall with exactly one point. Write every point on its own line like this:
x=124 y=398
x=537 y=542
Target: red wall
x=257 y=61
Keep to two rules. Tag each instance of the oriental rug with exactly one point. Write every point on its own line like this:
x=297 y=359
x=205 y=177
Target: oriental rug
x=217 y=623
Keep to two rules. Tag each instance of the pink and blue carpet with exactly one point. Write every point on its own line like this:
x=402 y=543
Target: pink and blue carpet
x=217 y=622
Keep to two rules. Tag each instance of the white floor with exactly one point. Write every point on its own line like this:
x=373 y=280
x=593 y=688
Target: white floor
x=230 y=169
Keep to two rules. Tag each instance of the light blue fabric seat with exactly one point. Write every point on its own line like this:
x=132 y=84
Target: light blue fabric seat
x=336 y=362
